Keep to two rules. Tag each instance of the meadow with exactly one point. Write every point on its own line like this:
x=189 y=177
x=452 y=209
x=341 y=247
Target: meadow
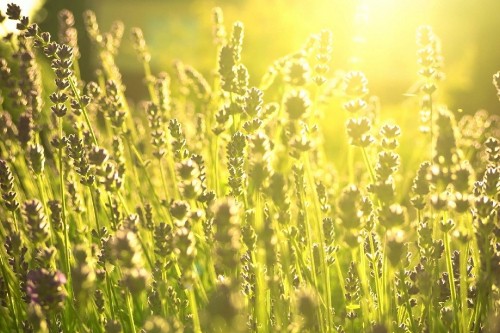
x=214 y=205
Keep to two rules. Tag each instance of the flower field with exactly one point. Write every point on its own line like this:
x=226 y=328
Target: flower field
x=219 y=205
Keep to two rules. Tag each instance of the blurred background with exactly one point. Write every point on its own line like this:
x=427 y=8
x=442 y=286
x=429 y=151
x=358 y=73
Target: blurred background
x=375 y=36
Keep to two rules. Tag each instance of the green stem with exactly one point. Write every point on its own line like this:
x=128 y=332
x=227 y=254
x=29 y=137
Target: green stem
x=14 y=217
x=319 y=231
x=96 y=213
x=374 y=260
x=216 y=166
x=194 y=311
x=451 y=275
x=149 y=84
x=76 y=93
x=111 y=294
x=130 y=312
x=63 y=204
x=135 y=154
x=368 y=165
x=407 y=299
x=463 y=287
x=350 y=163
x=43 y=196
x=164 y=183
x=431 y=121
x=259 y=259
x=9 y=296
x=341 y=277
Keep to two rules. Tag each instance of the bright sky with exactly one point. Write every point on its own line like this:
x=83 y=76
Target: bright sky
x=27 y=7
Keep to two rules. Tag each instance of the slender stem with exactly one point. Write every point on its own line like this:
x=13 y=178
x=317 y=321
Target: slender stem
x=135 y=154
x=319 y=231
x=164 y=183
x=374 y=260
x=145 y=251
x=43 y=195
x=431 y=124
x=341 y=277
x=149 y=84
x=130 y=312
x=407 y=299
x=451 y=275
x=350 y=163
x=76 y=93
x=110 y=293
x=113 y=219
x=65 y=223
x=14 y=217
x=385 y=285
x=463 y=287
x=368 y=165
x=194 y=311
x=364 y=279
x=259 y=260
x=96 y=213
x=9 y=296
x=63 y=204
x=216 y=166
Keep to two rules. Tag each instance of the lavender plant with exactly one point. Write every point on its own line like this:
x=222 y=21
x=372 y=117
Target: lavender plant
x=214 y=207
